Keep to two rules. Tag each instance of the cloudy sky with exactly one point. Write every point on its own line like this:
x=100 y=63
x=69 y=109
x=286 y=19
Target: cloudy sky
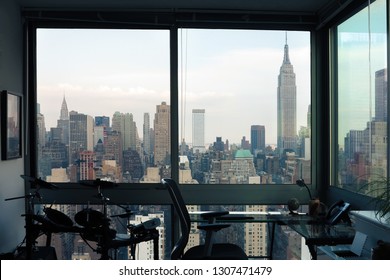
x=232 y=74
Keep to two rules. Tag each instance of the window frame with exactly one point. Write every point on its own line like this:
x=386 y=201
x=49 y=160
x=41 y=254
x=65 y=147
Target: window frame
x=194 y=194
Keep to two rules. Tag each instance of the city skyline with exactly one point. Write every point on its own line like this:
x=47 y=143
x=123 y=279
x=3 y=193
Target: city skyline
x=255 y=92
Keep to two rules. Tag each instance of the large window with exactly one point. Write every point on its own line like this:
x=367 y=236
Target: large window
x=244 y=106
x=362 y=96
x=103 y=105
x=243 y=113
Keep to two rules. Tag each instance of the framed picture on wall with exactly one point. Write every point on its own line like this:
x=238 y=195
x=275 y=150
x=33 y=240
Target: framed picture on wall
x=11 y=125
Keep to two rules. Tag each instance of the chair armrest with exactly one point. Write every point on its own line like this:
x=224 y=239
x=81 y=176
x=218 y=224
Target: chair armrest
x=213 y=227
x=211 y=215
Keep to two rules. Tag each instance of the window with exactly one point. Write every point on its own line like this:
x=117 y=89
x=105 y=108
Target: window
x=244 y=106
x=104 y=113
x=103 y=104
x=362 y=97
x=243 y=110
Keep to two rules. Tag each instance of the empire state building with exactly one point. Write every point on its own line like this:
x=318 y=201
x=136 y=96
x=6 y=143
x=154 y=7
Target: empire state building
x=287 y=105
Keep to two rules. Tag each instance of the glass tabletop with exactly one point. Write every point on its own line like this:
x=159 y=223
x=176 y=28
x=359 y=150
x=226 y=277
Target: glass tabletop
x=317 y=233
x=252 y=217
x=314 y=230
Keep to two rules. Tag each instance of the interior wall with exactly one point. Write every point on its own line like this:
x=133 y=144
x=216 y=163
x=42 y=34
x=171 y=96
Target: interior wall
x=12 y=229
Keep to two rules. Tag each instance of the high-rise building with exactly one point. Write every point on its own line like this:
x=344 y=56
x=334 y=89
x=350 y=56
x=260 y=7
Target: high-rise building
x=198 y=130
x=113 y=147
x=245 y=144
x=162 y=134
x=102 y=121
x=63 y=122
x=219 y=145
x=102 y=125
x=125 y=124
x=132 y=165
x=87 y=165
x=55 y=151
x=381 y=95
x=256 y=234
x=242 y=167
x=41 y=131
x=353 y=143
x=98 y=134
x=257 y=138
x=145 y=250
x=81 y=135
x=146 y=134
x=286 y=105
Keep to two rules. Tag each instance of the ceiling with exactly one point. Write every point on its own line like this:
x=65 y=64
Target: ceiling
x=314 y=13
x=271 y=6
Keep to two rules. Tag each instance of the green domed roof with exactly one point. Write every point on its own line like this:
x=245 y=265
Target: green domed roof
x=243 y=154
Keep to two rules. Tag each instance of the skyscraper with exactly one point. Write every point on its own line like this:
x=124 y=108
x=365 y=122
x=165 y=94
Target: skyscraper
x=86 y=165
x=81 y=135
x=146 y=134
x=127 y=127
x=286 y=105
x=257 y=138
x=162 y=134
x=198 y=130
x=113 y=147
x=63 y=122
x=41 y=131
x=381 y=95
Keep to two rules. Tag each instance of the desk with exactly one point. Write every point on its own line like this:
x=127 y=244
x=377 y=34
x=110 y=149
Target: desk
x=316 y=233
x=320 y=234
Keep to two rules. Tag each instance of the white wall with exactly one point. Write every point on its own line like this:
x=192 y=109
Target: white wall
x=12 y=229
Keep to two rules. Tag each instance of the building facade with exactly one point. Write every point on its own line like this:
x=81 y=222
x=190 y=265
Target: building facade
x=286 y=105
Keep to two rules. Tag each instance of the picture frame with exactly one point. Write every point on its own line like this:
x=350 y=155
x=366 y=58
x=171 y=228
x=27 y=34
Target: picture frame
x=11 y=125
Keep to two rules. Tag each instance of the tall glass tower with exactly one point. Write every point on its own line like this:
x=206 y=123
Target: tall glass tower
x=381 y=95
x=198 y=136
x=257 y=138
x=287 y=105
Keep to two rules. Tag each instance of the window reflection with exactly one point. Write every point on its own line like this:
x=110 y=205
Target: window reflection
x=362 y=98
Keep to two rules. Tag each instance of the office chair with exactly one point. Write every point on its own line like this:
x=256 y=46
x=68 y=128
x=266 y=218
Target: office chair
x=217 y=251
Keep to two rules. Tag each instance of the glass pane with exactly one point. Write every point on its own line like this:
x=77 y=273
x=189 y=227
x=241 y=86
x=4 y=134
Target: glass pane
x=103 y=108
x=244 y=99
x=362 y=98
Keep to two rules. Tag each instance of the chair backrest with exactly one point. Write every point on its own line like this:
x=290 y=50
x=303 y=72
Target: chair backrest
x=184 y=217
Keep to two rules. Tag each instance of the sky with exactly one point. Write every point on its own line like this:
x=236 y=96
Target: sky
x=232 y=74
